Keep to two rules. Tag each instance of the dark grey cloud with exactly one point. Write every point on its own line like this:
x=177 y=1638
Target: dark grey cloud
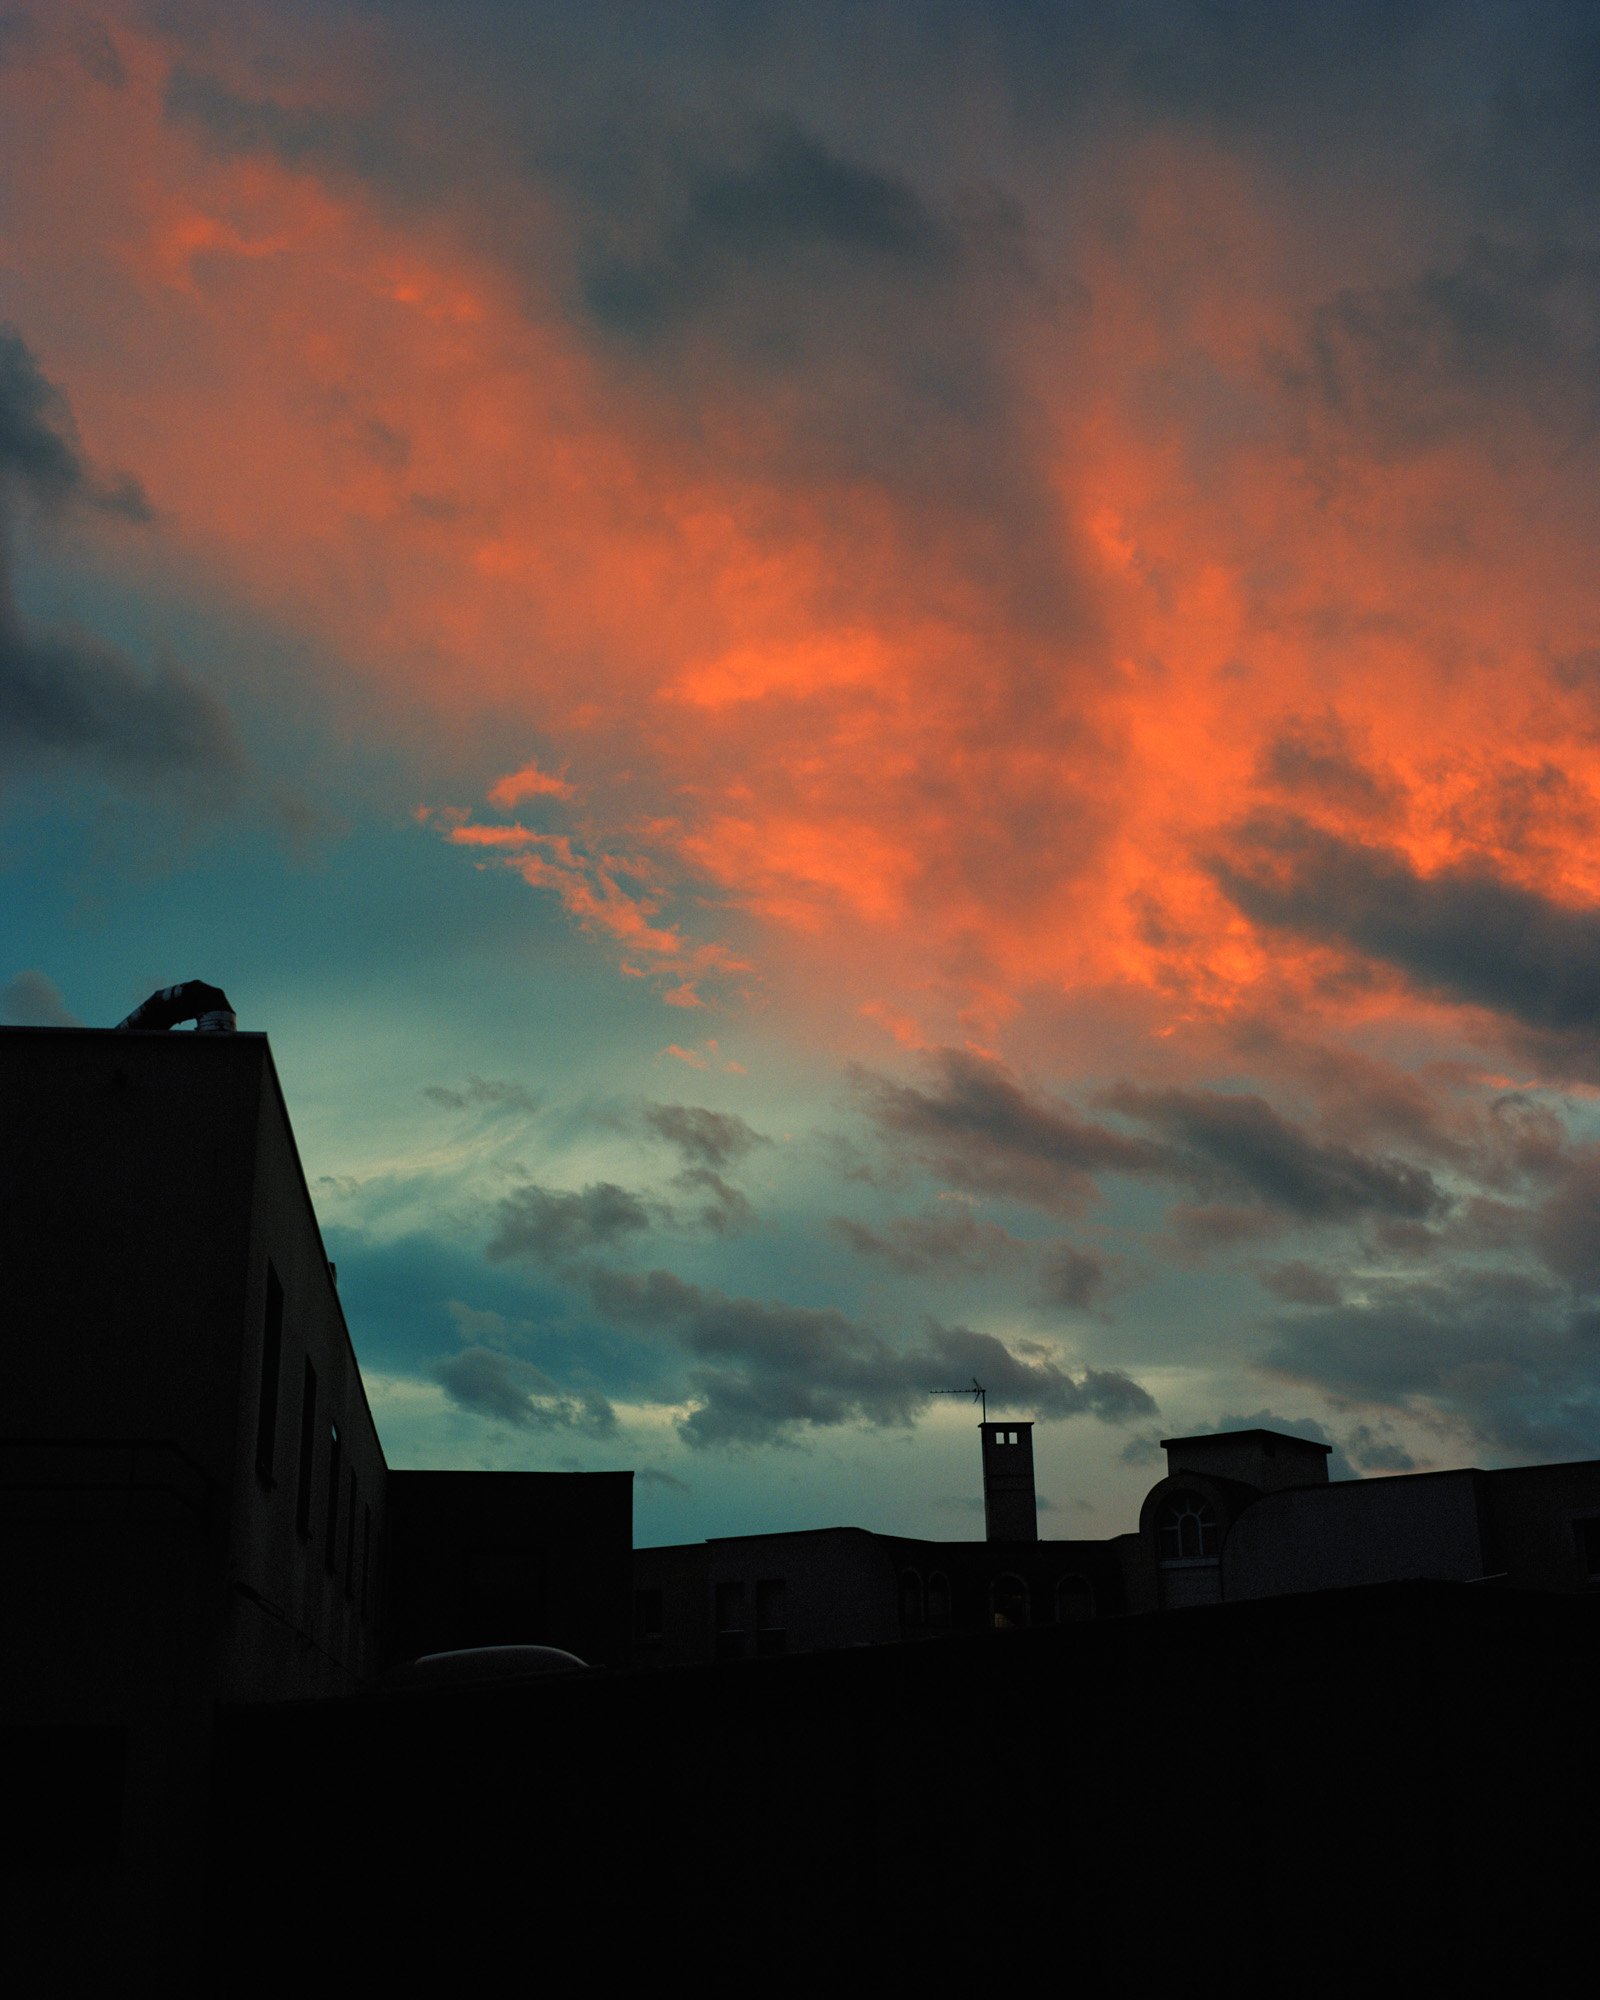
x=1373 y=1448
x=1196 y=1230
x=1238 y=1142
x=1507 y=333
x=705 y=1138
x=32 y=1000
x=99 y=54
x=1463 y=933
x=1316 y=761
x=66 y=694
x=511 y=1391
x=789 y=205
x=1037 y=1388
x=231 y=122
x=977 y=1127
x=1566 y=1224
x=1363 y=1099
x=1071 y=1278
x=1300 y=1284
x=764 y=1372
x=917 y=1244
x=489 y=1093
x=1499 y=1352
x=723 y=1210
x=549 y=1226
x=39 y=450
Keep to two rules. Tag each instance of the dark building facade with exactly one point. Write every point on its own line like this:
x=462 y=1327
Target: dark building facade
x=195 y=1509
x=491 y=1558
x=1240 y=1515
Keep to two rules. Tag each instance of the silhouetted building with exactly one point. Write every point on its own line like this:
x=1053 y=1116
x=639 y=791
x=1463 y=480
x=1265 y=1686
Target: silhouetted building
x=1371 y=1788
x=192 y=1486
x=196 y=1507
x=1249 y=1514
x=1240 y=1515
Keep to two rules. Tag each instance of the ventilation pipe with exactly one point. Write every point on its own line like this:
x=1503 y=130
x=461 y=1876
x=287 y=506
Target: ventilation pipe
x=207 y=1006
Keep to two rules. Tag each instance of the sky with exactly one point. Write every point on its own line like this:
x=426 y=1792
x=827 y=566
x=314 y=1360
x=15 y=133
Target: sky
x=869 y=695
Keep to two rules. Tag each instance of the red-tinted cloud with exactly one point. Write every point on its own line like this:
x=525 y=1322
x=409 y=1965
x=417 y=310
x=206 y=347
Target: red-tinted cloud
x=899 y=595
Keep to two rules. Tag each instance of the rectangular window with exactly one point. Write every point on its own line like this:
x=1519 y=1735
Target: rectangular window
x=730 y=1621
x=308 y=1448
x=271 y=1366
x=772 y=1621
x=330 y=1553
x=647 y=1614
x=350 y=1538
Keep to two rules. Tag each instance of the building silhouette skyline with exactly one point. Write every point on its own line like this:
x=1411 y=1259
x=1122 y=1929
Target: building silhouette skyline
x=209 y=1569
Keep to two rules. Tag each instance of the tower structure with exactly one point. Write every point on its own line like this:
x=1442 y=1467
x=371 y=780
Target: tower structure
x=1010 y=1507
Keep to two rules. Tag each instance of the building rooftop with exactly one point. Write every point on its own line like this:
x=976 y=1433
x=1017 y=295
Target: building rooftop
x=1232 y=1437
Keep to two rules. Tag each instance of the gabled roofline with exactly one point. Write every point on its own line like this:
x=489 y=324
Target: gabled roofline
x=1280 y=1437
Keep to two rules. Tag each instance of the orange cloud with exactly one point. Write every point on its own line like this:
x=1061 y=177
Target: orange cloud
x=923 y=737
x=528 y=783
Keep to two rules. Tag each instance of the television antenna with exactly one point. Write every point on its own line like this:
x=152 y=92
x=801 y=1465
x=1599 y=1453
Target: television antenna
x=977 y=1392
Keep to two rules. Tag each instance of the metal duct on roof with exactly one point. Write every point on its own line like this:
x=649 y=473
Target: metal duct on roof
x=207 y=1006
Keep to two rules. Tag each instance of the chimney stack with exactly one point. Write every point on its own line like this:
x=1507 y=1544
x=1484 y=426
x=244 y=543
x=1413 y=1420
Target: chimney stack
x=1010 y=1506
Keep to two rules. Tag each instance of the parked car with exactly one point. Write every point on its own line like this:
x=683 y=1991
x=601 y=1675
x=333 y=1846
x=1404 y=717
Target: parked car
x=482 y=1666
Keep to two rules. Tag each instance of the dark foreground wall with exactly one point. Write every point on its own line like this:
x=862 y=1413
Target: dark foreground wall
x=1374 y=1786
x=510 y=1558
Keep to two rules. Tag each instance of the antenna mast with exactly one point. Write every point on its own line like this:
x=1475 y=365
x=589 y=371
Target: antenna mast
x=977 y=1392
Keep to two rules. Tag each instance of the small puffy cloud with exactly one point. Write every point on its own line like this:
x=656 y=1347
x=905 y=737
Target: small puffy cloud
x=979 y=1128
x=1071 y=1278
x=723 y=1209
x=528 y=783
x=507 y=1390
x=705 y=1138
x=1300 y=1284
x=787 y=211
x=1315 y=762
x=549 y=1226
x=67 y=695
x=1239 y=1143
x=486 y=1092
x=33 y=1001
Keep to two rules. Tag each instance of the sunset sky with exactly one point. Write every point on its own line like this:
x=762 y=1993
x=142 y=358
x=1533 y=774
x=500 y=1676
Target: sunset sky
x=868 y=693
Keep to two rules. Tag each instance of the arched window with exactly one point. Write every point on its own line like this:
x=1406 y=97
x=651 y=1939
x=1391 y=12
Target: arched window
x=938 y=1602
x=1074 y=1600
x=1186 y=1528
x=910 y=1602
x=1010 y=1608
